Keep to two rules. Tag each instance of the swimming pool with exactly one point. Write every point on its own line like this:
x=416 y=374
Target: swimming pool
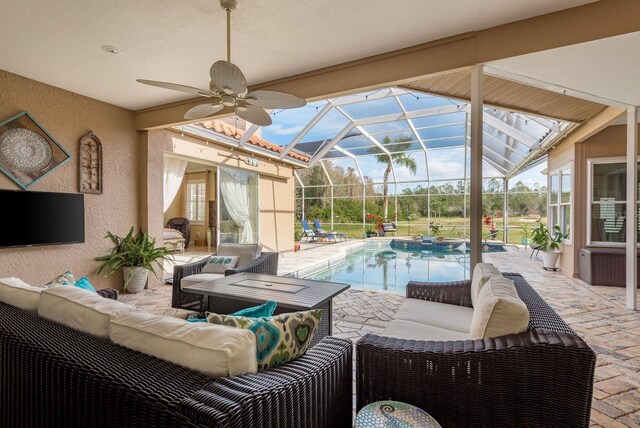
x=385 y=266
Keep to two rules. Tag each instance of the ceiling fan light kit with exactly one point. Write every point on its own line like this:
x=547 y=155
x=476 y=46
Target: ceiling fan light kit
x=228 y=87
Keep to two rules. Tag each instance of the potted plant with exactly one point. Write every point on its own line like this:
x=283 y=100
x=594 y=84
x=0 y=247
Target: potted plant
x=136 y=254
x=296 y=237
x=547 y=243
x=488 y=221
x=435 y=231
x=377 y=225
x=525 y=240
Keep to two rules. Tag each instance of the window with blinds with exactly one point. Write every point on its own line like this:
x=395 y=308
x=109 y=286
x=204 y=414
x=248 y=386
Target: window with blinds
x=608 y=201
x=196 y=199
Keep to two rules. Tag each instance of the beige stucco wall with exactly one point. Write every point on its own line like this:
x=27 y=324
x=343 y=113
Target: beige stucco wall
x=276 y=185
x=609 y=142
x=68 y=116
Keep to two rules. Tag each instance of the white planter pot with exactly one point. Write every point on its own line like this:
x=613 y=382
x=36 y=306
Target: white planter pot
x=135 y=278
x=550 y=259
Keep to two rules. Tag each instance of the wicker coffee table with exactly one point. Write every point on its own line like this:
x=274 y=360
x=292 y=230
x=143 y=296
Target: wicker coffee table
x=234 y=292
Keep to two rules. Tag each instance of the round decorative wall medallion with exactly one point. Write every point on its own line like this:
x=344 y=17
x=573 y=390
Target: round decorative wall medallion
x=24 y=150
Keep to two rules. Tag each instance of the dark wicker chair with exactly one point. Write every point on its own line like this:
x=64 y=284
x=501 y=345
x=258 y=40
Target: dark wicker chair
x=266 y=263
x=183 y=226
x=540 y=378
x=53 y=376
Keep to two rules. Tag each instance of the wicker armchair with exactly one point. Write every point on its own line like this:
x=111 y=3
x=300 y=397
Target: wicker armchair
x=542 y=377
x=266 y=263
x=51 y=375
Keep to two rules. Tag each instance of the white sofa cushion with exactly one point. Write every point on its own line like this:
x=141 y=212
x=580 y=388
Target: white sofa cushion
x=246 y=252
x=441 y=315
x=481 y=274
x=80 y=309
x=214 y=350
x=499 y=310
x=411 y=330
x=198 y=278
x=18 y=293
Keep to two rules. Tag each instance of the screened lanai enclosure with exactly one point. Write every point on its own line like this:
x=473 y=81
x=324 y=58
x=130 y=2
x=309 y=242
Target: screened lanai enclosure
x=403 y=156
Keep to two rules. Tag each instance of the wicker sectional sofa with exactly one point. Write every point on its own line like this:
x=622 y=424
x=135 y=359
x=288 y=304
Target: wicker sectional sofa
x=54 y=376
x=542 y=377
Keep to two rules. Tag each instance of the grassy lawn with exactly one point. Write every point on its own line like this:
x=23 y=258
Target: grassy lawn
x=449 y=227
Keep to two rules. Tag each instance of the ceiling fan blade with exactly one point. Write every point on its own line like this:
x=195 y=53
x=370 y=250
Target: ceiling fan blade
x=202 y=110
x=274 y=99
x=228 y=77
x=254 y=114
x=174 y=86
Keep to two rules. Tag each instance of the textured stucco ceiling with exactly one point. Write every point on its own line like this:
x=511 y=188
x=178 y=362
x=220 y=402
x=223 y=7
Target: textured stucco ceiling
x=58 y=42
x=607 y=68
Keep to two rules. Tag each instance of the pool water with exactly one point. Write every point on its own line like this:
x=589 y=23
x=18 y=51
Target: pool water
x=380 y=267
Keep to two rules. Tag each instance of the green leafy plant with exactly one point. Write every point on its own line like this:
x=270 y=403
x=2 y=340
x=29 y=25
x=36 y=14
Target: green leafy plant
x=371 y=230
x=525 y=234
x=435 y=229
x=133 y=250
x=542 y=237
x=297 y=235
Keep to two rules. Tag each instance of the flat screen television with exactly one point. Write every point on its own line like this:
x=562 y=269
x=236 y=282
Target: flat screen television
x=40 y=218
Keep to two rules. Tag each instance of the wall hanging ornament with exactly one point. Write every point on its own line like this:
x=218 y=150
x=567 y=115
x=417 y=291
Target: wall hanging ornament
x=27 y=151
x=90 y=165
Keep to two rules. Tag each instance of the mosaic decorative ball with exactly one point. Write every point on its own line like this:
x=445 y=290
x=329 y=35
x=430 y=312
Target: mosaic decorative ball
x=394 y=414
x=24 y=150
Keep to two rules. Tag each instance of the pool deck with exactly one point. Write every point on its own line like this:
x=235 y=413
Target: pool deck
x=596 y=313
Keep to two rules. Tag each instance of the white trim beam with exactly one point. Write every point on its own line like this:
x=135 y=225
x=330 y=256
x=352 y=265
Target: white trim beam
x=324 y=168
x=514 y=133
x=415 y=132
x=475 y=206
x=304 y=131
x=632 y=209
x=247 y=134
x=328 y=146
x=432 y=111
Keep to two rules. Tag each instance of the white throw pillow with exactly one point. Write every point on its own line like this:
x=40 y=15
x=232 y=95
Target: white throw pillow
x=80 y=309
x=499 y=310
x=214 y=350
x=18 y=293
x=481 y=274
x=219 y=264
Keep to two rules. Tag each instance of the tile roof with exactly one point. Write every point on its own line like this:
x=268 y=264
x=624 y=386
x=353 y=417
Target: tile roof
x=231 y=131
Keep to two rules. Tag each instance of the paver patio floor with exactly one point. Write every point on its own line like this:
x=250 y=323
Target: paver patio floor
x=596 y=313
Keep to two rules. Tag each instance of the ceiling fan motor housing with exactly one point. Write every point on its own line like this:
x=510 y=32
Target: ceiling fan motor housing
x=228 y=4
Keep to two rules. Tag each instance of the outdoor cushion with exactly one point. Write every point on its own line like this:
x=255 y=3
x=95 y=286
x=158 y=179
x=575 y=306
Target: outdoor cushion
x=481 y=274
x=80 y=309
x=246 y=252
x=85 y=284
x=215 y=351
x=198 y=278
x=18 y=293
x=264 y=310
x=280 y=338
x=499 y=310
x=62 y=280
x=218 y=264
x=403 y=329
x=441 y=315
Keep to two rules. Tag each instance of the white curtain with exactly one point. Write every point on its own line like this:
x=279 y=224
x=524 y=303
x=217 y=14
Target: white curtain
x=234 y=186
x=173 y=174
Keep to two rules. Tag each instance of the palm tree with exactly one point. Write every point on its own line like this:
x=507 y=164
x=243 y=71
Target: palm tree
x=400 y=158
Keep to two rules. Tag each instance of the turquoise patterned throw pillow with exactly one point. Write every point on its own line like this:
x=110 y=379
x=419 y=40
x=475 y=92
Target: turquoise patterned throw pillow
x=218 y=264
x=280 y=338
x=63 y=280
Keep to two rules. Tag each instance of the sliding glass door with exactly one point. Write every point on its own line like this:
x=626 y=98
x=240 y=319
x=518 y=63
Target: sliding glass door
x=237 y=206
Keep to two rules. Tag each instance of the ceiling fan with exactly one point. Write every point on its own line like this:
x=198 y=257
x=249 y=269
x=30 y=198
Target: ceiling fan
x=229 y=89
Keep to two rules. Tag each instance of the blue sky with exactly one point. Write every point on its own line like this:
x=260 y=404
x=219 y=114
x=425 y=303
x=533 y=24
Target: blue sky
x=443 y=164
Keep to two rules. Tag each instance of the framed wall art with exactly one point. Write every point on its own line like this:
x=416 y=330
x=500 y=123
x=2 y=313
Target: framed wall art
x=90 y=173
x=28 y=152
